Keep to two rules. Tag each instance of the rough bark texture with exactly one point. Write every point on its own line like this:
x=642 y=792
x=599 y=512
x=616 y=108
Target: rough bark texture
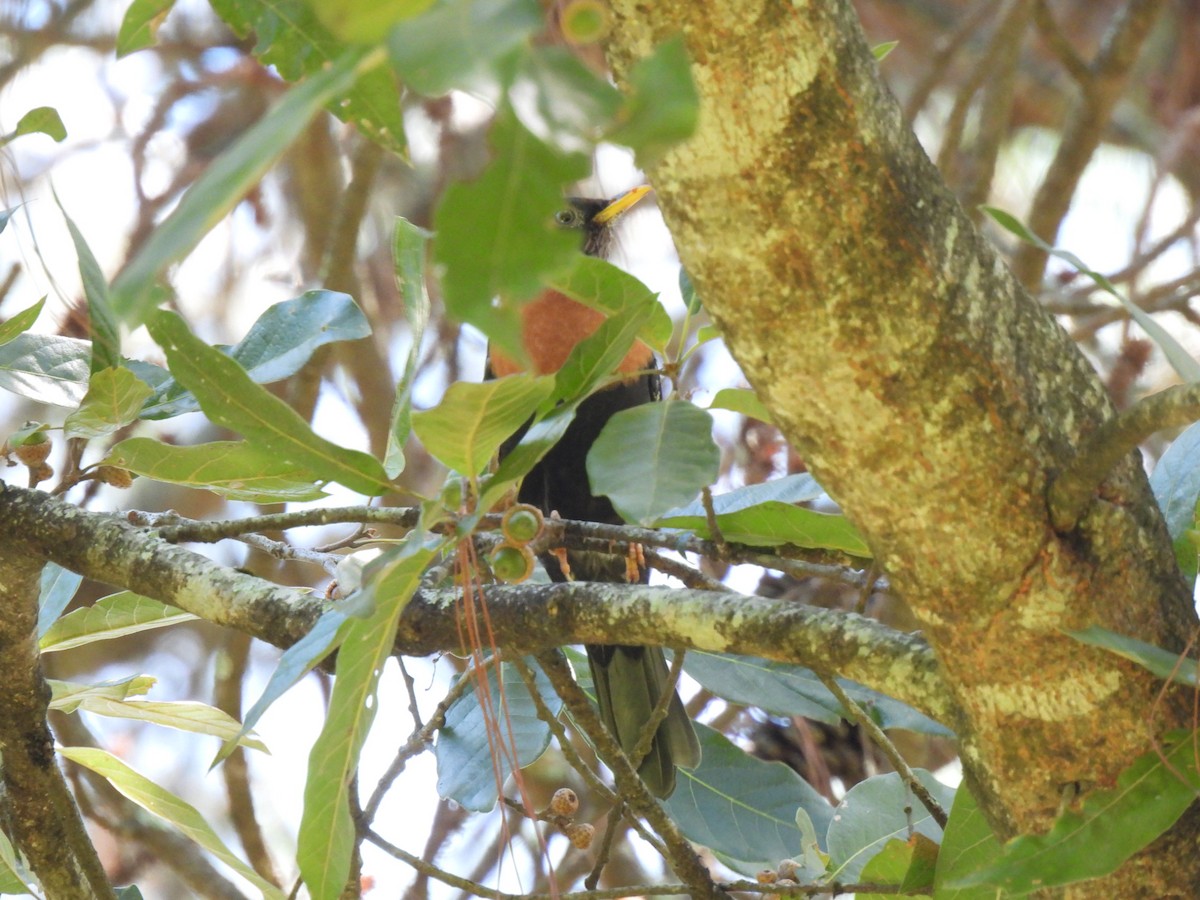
x=39 y=812
x=929 y=394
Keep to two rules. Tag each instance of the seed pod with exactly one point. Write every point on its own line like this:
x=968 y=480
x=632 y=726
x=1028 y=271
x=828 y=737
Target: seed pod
x=522 y=524
x=580 y=834
x=510 y=563
x=33 y=454
x=565 y=802
x=118 y=478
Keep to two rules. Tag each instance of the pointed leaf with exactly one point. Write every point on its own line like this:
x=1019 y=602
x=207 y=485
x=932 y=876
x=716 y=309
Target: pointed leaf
x=908 y=864
x=1181 y=361
x=496 y=235
x=461 y=43
x=232 y=469
x=664 y=106
x=741 y=808
x=597 y=356
x=67 y=696
x=789 y=690
x=466 y=429
x=741 y=400
x=226 y=181
x=653 y=457
x=602 y=286
x=182 y=715
x=1163 y=663
x=327 y=834
x=114 y=398
x=46 y=368
x=139 y=27
x=102 y=325
x=56 y=588
x=466 y=771
x=968 y=846
x=765 y=515
x=1111 y=826
x=232 y=400
x=41 y=120
x=277 y=346
x=114 y=616
x=162 y=803
x=1176 y=485
x=21 y=322
x=365 y=21
x=873 y=813
x=410 y=243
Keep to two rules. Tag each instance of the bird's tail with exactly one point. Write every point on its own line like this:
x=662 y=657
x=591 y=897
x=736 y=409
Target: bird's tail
x=629 y=682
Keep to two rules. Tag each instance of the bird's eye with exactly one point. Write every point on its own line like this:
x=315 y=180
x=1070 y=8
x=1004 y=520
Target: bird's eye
x=569 y=217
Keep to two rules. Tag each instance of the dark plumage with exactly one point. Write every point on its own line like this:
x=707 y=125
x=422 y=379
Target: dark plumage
x=629 y=680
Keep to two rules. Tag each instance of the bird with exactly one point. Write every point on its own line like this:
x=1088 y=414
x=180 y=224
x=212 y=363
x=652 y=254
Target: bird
x=628 y=680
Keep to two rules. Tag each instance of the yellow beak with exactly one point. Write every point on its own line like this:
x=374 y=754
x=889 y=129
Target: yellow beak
x=621 y=204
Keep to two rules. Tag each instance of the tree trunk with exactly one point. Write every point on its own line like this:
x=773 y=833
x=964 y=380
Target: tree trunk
x=930 y=395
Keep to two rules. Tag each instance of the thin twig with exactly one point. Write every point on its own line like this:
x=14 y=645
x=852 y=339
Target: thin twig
x=859 y=715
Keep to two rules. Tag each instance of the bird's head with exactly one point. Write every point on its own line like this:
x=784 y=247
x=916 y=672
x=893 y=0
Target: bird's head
x=595 y=218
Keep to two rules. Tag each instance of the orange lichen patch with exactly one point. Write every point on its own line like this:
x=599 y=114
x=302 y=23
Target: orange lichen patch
x=551 y=326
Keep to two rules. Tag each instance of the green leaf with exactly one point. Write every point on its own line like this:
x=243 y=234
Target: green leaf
x=741 y=808
x=21 y=322
x=908 y=864
x=102 y=325
x=56 y=588
x=597 y=356
x=182 y=715
x=232 y=400
x=296 y=662
x=162 y=803
x=969 y=845
x=534 y=444
x=1111 y=826
x=602 y=286
x=226 y=181
x=1162 y=663
x=741 y=400
x=789 y=690
x=881 y=51
x=277 y=345
x=46 y=368
x=68 y=696
x=561 y=100
x=293 y=40
x=14 y=879
x=327 y=836
x=466 y=771
x=41 y=120
x=365 y=21
x=653 y=457
x=409 y=245
x=461 y=43
x=664 y=106
x=873 y=812
x=496 y=235
x=765 y=515
x=114 y=399
x=139 y=27
x=466 y=429
x=233 y=469
x=687 y=291
x=1176 y=485
x=114 y=616
x=1181 y=361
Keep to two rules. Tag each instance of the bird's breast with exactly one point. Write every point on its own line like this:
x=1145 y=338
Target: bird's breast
x=551 y=326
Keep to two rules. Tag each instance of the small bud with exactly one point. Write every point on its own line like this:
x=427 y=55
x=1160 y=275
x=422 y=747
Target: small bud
x=565 y=802
x=584 y=21
x=522 y=523
x=41 y=472
x=788 y=868
x=118 y=478
x=765 y=876
x=33 y=453
x=580 y=834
